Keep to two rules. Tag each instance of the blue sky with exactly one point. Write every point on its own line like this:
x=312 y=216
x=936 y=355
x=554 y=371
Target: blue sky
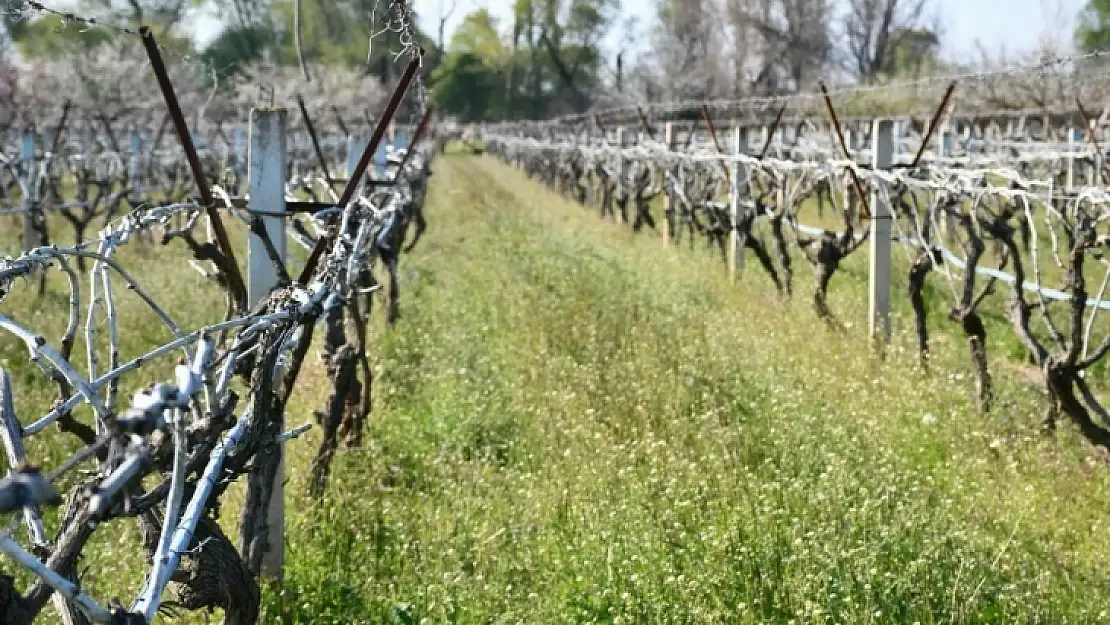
x=1015 y=26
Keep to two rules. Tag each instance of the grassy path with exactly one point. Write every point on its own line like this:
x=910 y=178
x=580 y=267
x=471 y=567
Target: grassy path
x=572 y=425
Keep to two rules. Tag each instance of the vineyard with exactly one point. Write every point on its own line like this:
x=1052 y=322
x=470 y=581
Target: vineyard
x=655 y=416
x=1004 y=192
x=140 y=436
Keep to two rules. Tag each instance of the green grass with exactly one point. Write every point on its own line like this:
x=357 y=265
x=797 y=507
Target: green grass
x=575 y=425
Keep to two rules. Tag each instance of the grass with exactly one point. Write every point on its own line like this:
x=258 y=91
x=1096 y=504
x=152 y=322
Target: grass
x=575 y=425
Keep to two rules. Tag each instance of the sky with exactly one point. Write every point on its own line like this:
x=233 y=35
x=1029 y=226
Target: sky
x=1012 y=26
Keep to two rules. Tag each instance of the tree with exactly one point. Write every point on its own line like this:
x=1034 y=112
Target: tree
x=468 y=82
x=560 y=64
x=797 y=42
x=52 y=36
x=910 y=51
x=870 y=27
x=1092 y=33
x=239 y=46
x=685 y=36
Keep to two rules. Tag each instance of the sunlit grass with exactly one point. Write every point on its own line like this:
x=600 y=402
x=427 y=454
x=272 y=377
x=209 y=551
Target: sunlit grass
x=576 y=425
x=572 y=424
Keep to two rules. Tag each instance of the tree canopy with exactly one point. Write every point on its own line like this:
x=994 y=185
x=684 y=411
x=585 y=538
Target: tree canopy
x=1092 y=33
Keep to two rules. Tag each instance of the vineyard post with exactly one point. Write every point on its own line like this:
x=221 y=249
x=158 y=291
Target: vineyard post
x=266 y=185
x=1069 y=179
x=668 y=138
x=27 y=154
x=135 y=162
x=734 y=251
x=745 y=147
x=882 y=157
x=619 y=215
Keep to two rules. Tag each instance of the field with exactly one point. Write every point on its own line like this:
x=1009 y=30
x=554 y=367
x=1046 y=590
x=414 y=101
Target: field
x=575 y=425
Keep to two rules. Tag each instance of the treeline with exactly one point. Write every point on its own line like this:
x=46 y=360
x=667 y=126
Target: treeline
x=549 y=57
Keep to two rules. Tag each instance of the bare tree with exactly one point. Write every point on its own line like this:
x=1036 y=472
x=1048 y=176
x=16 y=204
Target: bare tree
x=796 y=42
x=687 y=52
x=444 y=16
x=742 y=38
x=870 y=28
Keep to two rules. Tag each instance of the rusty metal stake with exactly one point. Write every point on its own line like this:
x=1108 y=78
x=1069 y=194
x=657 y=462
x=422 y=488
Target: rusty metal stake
x=60 y=129
x=235 y=279
x=771 y=133
x=315 y=142
x=933 y=123
x=716 y=144
x=157 y=144
x=866 y=212
x=364 y=161
x=417 y=135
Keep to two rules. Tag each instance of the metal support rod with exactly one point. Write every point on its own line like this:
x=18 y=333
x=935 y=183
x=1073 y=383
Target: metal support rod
x=716 y=144
x=771 y=133
x=60 y=129
x=235 y=279
x=866 y=212
x=315 y=142
x=933 y=123
x=364 y=161
x=417 y=135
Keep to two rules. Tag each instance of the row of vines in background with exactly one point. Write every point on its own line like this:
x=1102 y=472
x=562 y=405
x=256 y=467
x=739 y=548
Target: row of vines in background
x=992 y=232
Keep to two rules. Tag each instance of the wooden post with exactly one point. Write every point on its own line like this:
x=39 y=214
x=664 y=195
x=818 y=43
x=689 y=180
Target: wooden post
x=882 y=157
x=266 y=183
x=734 y=250
x=668 y=138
